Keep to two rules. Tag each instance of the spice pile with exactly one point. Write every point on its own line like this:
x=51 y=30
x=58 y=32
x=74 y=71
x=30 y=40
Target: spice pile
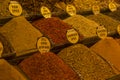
x=33 y=6
x=109 y=23
x=21 y=35
x=115 y=14
x=54 y=28
x=8 y=72
x=86 y=63
x=84 y=26
x=8 y=50
x=109 y=49
x=47 y=66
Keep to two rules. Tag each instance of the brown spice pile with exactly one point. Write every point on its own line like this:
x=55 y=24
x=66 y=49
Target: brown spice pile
x=54 y=28
x=109 y=23
x=86 y=63
x=109 y=49
x=21 y=35
x=8 y=72
x=47 y=66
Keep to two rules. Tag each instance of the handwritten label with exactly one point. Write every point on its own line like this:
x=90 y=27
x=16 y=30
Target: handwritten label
x=71 y=10
x=72 y=36
x=43 y=45
x=45 y=12
x=96 y=9
x=118 y=29
x=15 y=8
x=1 y=49
x=112 y=7
x=102 y=32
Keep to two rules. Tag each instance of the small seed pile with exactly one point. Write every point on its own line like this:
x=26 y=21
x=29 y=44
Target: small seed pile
x=54 y=28
x=109 y=23
x=8 y=72
x=86 y=63
x=47 y=66
x=21 y=35
x=84 y=26
x=109 y=49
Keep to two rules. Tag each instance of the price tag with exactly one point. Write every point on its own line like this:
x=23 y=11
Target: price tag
x=43 y=45
x=72 y=36
x=71 y=10
x=45 y=12
x=102 y=32
x=96 y=9
x=15 y=8
x=1 y=49
x=112 y=7
x=118 y=29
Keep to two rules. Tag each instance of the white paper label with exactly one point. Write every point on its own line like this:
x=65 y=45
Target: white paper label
x=1 y=49
x=71 y=10
x=96 y=9
x=72 y=36
x=15 y=8
x=43 y=45
x=102 y=32
x=112 y=7
x=45 y=12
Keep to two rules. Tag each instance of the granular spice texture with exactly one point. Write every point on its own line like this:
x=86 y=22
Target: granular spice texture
x=8 y=72
x=109 y=49
x=7 y=48
x=84 y=26
x=109 y=23
x=54 y=28
x=21 y=35
x=47 y=66
x=86 y=63
x=115 y=14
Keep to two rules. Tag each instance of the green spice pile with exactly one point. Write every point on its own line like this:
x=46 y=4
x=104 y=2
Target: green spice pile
x=84 y=26
x=109 y=23
x=109 y=49
x=8 y=72
x=47 y=66
x=86 y=63
x=21 y=35
x=54 y=28
x=7 y=48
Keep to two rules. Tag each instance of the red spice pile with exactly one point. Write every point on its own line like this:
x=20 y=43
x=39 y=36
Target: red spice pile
x=47 y=66
x=54 y=28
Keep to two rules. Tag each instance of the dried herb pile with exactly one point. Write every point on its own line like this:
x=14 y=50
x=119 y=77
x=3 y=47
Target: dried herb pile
x=109 y=49
x=21 y=35
x=109 y=23
x=86 y=63
x=54 y=28
x=47 y=66
x=8 y=72
x=84 y=26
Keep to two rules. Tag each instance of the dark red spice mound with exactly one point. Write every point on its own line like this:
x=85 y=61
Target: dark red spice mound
x=54 y=28
x=47 y=66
